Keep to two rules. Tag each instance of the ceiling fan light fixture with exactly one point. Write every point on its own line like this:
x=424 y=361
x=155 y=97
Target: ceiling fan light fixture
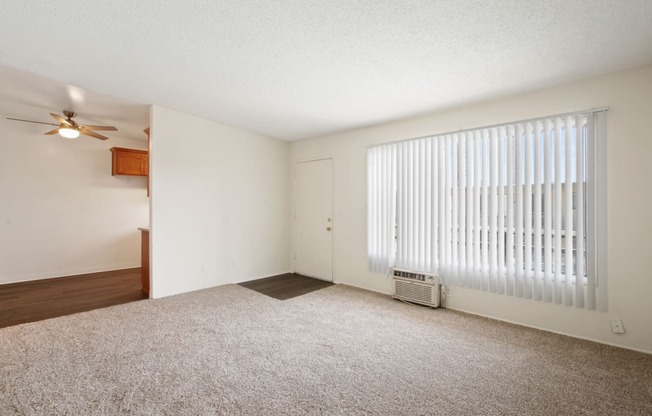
x=69 y=129
x=68 y=133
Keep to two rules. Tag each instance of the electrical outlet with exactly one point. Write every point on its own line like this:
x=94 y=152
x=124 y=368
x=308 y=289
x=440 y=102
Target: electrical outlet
x=617 y=326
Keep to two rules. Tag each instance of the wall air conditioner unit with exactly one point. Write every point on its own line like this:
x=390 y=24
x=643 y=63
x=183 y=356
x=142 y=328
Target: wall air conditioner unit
x=416 y=287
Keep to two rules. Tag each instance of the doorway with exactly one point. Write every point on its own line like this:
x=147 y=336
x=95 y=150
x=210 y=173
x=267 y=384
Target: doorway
x=313 y=219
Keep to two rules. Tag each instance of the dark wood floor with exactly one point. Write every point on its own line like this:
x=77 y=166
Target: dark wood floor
x=286 y=286
x=49 y=298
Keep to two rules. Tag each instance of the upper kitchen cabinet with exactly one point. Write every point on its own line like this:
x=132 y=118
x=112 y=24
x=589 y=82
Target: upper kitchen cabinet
x=130 y=162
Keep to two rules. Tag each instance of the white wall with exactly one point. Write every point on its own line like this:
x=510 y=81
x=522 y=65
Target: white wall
x=61 y=211
x=629 y=95
x=220 y=204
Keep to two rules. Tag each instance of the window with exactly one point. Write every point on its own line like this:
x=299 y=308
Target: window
x=511 y=209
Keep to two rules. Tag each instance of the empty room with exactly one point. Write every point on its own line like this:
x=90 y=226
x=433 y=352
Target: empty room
x=341 y=207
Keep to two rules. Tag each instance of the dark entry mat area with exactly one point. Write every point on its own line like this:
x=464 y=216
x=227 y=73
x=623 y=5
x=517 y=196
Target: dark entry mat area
x=286 y=286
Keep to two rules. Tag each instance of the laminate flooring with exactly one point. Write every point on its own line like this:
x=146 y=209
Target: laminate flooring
x=48 y=298
x=286 y=286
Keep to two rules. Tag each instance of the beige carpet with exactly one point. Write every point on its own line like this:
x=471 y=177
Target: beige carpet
x=339 y=350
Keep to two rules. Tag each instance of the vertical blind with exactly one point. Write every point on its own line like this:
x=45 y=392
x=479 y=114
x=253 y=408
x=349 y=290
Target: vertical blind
x=507 y=209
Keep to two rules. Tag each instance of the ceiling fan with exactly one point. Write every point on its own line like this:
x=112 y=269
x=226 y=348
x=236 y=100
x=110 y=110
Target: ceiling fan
x=68 y=128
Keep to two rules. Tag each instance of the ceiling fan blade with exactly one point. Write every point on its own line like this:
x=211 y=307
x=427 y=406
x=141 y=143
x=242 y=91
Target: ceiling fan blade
x=92 y=134
x=61 y=119
x=55 y=131
x=31 y=121
x=111 y=128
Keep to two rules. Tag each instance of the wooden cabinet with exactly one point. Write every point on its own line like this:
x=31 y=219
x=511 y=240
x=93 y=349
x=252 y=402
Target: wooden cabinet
x=129 y=162
x=144 y=260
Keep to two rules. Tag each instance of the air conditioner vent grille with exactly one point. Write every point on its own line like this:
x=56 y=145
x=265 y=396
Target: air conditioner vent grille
x=416 y=287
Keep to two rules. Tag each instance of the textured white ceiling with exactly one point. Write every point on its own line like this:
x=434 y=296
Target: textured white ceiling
x=32 y=97
x=294 y=69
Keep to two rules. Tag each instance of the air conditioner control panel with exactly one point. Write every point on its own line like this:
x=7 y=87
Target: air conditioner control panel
x=415 y=276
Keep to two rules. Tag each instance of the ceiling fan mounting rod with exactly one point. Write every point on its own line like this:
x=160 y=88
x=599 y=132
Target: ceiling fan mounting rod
x=69 y=114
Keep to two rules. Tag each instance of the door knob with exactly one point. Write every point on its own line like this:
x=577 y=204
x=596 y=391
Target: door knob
x=328 y=228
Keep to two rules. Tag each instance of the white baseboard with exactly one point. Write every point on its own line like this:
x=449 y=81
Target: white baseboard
x=68 y=272
x=551 y=330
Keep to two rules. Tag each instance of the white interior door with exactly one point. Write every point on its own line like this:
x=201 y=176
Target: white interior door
x=313 y=243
